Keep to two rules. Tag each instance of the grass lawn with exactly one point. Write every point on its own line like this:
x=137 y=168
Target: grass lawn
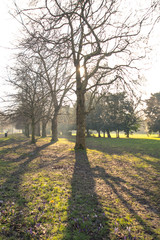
x=48 y=191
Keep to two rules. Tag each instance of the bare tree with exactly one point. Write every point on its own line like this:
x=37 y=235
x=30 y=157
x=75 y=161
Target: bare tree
x=31 y=95
x=59 y=84
x=53 y=69
x=99 y=37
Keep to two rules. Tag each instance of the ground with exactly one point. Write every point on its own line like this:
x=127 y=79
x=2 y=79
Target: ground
x=49 y=191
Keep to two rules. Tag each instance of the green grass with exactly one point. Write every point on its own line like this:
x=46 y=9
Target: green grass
x=150 y=146
x=49 y=191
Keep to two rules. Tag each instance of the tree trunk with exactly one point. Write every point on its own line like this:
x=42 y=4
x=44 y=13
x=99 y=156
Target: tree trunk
x=88 y=133
x=159 y=133
x=108 y=133
x=99 y=134
x=127 y=133
x=44 y=134
x=38 y=129
x=54 y=128
x=33 y=131
x=80 y=115
x=117 y=133
x=26 y=130
x=104 y=134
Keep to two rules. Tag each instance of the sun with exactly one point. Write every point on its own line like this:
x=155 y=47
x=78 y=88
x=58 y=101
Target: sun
x=82 y=71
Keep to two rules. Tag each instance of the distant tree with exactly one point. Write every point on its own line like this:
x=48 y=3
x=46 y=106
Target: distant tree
x=99 y=117
x=123 y=113
x=54 y=72
x=66 y=120
x=114 y=112
x=132 y=120
x=94 y=120
x=2 y=121
x=31 y=96
x=47 y=110
x=22 y=123
x=153 y=113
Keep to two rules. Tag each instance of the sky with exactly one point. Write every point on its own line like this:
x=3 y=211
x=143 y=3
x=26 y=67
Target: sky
x=9 y=31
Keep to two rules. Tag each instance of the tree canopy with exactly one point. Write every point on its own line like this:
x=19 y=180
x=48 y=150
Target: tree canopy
x=153 y=113
x=114 y=112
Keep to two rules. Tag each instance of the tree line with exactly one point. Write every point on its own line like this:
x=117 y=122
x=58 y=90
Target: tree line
x=115 y=112
x=112 y=112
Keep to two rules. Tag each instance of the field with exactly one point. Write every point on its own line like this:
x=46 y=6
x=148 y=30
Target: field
x=48 y=191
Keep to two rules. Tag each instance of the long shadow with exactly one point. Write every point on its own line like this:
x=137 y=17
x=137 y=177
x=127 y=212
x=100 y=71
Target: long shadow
x=111 y=147
x=12 y=140
x=12 y=148
x=11 y=195
x=86 y=219
x=155 y=179
x=121 y=183
x=154 y=164
x=118 y=184
x=116 y=181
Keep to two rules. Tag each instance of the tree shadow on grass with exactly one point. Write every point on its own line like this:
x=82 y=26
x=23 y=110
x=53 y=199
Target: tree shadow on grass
x=154 y=179
x=5 y=149
x=147 y=166
x=154 y=163
x=86 y=219
x=12 y=140
x=134 y=187
x=13 y=203
x=116 y=183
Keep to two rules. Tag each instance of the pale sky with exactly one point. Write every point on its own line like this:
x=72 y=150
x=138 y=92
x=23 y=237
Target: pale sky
x=9 y=32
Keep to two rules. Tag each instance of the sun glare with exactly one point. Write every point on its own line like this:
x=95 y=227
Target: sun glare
x=82 y=71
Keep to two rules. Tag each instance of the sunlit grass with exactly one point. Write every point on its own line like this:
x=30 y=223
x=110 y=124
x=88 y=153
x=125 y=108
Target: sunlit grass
x=122 y=135
x=133 y=135
x=113 y=193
